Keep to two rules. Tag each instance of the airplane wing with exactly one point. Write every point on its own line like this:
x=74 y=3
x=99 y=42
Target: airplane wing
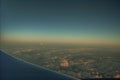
x=15 y=69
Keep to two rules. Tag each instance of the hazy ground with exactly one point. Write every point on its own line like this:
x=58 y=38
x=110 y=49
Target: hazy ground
x=77 y=61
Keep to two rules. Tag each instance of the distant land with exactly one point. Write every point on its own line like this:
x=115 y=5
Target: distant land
x=74 y=60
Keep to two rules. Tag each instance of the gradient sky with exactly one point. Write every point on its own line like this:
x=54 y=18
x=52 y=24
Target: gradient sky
x=96 y=21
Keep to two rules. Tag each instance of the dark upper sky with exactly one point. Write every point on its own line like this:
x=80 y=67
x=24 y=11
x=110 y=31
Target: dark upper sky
x=68 y=19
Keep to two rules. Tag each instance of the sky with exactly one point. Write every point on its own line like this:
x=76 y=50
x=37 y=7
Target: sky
x=72 y=21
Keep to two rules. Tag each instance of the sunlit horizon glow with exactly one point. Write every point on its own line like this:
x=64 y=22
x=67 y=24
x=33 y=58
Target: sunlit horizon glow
x=74 y=41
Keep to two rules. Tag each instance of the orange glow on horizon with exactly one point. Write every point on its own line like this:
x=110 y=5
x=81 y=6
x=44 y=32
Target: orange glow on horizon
x=62 y=41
